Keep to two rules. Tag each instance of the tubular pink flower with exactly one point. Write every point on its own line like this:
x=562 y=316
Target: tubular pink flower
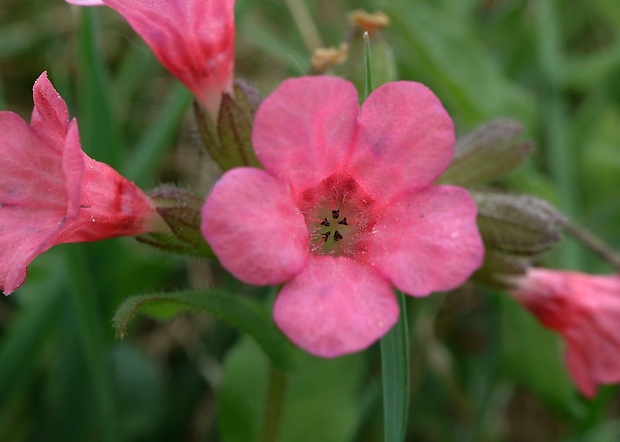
x=344 y=210
x=193 y=39
x=51 y=192
x=585 y=310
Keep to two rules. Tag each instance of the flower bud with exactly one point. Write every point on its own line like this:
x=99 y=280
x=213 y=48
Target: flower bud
x=500 y=267
x=515 y=230
x=180 y=209
x=229 y=143
x=490 y=151
x=518 y=224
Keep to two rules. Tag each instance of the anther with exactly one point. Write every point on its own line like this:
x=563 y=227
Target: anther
x=335 y=214
x=326 y=235
x=325 y=222
x=343 y=221
x=337 y=236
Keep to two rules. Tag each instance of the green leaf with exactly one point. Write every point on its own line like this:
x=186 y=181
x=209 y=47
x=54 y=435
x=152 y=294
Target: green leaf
x=395 y=373
x=243 y=314
x=319 y=404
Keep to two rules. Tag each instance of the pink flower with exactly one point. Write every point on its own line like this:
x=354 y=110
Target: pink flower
x=193 y=39
x=344 y=210
x=585 y=310
x=51 y=192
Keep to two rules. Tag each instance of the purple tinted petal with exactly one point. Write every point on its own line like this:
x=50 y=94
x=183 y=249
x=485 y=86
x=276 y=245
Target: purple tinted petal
x=405 y=140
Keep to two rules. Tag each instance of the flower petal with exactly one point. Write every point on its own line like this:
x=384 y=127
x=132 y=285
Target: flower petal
x=593 y=355
x=254 y=227
x=304 y=130
x=193 y=39
x=32 y=197
x=73 y=170
x=427 y=240
x=50 y=116
x=406 y=139
x=335 y=306
x=51 y=192
x=585 y=310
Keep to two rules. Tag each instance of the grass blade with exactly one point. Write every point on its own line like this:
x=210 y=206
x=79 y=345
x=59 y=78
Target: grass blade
x=395 y=373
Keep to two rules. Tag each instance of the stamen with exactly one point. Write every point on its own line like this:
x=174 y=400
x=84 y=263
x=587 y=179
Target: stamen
x=335 y=214
x=343 y=221
x=325 y=222
x=337 y=236
x=326 y=235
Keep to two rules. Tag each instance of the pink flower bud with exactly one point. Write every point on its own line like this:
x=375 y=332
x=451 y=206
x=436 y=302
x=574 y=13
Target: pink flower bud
x=193 y=39
x=585 y=310
x=51 y=192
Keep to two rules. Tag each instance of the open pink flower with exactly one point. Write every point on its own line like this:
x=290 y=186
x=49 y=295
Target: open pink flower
x=51 y=192
x=585 y=310
x=193 y=39
x=344 y=210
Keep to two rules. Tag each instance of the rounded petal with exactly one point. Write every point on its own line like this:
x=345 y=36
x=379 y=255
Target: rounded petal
x=254 y=228
x=335 y=306
x=304 y=130
x=406 y=139
x=427 y=240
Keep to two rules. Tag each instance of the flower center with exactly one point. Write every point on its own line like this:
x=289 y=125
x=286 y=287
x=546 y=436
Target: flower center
x=339 y=215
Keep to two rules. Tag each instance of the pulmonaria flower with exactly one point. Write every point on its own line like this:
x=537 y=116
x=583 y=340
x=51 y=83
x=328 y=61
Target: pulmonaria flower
x=51 y=192
x=585 y=310
x=193 y=39
x=344 y=210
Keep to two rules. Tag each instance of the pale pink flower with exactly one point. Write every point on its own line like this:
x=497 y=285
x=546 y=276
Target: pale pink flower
x=193 y=39
x=51 y=192
x=344 y=210
x=585 y=310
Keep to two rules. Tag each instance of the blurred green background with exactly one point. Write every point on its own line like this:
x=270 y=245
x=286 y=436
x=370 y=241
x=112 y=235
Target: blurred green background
x=482 y=369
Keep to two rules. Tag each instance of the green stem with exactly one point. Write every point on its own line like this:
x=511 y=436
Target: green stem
x=275 y=404
x=594 y=243
x=395 y=374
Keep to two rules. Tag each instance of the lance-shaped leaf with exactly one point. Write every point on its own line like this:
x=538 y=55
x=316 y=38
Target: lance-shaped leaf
x=245 y=315
x=490 y=151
